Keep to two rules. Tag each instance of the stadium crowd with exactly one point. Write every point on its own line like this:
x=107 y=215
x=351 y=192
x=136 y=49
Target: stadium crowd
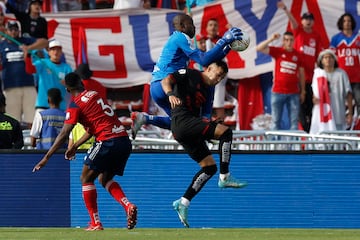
x=31 y=31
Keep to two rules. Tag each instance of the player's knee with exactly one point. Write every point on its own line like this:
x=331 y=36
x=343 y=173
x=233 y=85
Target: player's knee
x=210 y=170
x=226 y=136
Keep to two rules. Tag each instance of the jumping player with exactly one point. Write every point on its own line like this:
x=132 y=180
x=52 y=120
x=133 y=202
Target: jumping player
x=175 y=55
x=188 y=91
x=108 y=155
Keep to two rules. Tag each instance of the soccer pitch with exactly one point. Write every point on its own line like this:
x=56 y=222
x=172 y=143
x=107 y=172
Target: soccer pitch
x=175 y=233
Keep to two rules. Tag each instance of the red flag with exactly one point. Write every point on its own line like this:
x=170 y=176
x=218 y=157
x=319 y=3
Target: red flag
x=82 y=47
x=325 y=111
x=322 y=119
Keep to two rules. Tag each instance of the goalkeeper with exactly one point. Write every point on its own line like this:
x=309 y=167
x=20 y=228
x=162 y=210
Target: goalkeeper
x=177 y=52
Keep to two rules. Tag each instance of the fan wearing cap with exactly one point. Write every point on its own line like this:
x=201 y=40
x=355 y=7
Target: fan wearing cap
x=339 y=91
x=308 y=42
x=51 y=72
x=32 y=24
x=18 y=84
x=346 y=45
x=11 y=136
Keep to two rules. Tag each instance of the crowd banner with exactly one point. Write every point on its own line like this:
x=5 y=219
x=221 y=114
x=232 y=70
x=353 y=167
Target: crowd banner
x=123 y=45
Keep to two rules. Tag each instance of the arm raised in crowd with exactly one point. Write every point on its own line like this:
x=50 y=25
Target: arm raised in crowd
x=293 y=23
x=264 y=45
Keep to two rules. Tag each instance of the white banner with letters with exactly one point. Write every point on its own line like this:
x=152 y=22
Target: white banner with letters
x=122 y=46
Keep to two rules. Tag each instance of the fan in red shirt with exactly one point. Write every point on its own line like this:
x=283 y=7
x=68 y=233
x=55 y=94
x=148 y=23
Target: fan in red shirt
x=309 y=43
x=289 y=79
x=106 y=158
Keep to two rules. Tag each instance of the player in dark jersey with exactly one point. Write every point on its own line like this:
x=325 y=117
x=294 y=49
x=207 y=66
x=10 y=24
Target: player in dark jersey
x=108 y=155
x=189 y=91
x=176 y=54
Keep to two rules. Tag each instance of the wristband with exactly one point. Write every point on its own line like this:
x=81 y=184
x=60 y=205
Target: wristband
x=170 y=93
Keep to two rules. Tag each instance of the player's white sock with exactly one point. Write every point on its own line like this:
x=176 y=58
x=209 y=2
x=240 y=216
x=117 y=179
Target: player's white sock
x=185 y=201
x=224 y=176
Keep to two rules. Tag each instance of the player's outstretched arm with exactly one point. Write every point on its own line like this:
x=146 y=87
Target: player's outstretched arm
x=59 y=141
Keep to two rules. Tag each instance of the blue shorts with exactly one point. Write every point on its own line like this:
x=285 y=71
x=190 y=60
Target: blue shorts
x=109 y=156
x=158 y=95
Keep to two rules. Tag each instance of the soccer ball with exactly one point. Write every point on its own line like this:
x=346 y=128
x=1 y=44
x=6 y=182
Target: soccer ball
x=241 y=45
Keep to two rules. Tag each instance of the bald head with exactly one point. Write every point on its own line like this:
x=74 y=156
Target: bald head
x=179 y=19
x=184 y=23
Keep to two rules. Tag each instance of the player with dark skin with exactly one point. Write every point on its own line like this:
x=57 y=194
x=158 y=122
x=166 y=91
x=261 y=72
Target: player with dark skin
x=106 y=158
x=176 y=54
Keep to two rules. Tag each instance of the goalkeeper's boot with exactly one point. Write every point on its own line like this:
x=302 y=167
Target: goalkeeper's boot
x=131 y=216
x=182 y=211
x=138 y=119
x=231 y=182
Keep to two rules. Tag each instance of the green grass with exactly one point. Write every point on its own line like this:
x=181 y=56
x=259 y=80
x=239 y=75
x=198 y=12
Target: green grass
x=174 y=234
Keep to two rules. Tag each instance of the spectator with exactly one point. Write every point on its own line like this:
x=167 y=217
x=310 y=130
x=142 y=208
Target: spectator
x=20 y=5
x=332 y=82
x=289 y=76
x=2 y=7
x=171 y=4
x=175 y=55
x=189 y=91
x=32 y=24
x=47 y=124
x=212 y=30
x=11 y=136
x=51 y=72
x=3 y=30
x=108 y=156
x=102 y=4
x=194 y=3
x=308 y=42
x=85 y=74
x=2 y=21
x=346 y=46
x=68 y=5
x=88 y=4
x=126 y=4
x=76 y=133
x=18 y=85
x=201 y=45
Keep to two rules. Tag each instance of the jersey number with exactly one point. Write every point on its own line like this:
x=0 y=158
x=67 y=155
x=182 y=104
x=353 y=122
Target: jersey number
x=349 y=61
x=107 y=109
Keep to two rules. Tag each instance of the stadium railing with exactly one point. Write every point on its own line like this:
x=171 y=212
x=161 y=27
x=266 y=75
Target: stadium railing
x=253 y=140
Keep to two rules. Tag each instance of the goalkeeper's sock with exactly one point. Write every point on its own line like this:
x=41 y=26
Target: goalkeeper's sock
x=90 y=198
x=159 y=121
x=117 y=193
